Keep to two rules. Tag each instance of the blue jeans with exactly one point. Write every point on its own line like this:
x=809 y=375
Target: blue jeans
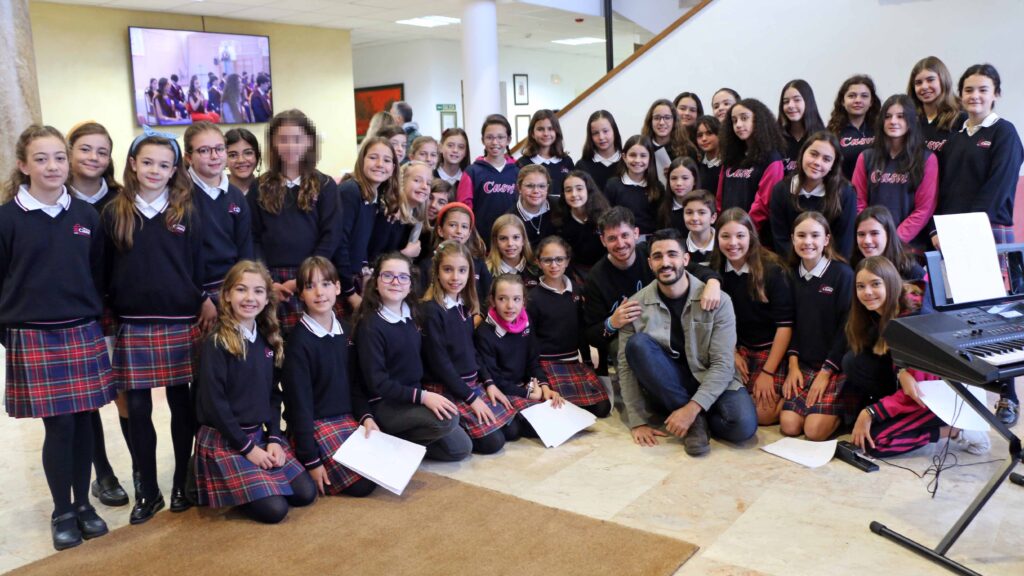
x=732 y=417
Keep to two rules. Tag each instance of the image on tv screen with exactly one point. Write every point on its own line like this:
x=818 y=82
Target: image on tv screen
x=181 y=76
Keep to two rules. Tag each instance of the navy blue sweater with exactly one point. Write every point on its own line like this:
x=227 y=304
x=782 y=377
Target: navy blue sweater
x=51 y=269
x=357 y=221
x=227 y=230
x=584 y=239
x=389 y=359
x=557 y=323
x=818 y=336
x=448 y=356
x=791 y=161
x=934 y=137
x=388 y=235
x=853 y=141
x=756 y=322
x=538 y=227
x=598 y=171
x=508 y=361
x=284 y=240
x=783 y=212
x=635 y=198
x=490 y=193
x=557 y=171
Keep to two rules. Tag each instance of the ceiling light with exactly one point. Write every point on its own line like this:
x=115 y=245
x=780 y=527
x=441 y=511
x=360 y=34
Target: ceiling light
x=429 y=21
x=579 y=41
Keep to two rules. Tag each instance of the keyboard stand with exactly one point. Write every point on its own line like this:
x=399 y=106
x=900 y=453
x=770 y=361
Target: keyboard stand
x=938 y=554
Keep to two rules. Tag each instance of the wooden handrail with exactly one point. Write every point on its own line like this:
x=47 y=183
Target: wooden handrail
x=625 y=63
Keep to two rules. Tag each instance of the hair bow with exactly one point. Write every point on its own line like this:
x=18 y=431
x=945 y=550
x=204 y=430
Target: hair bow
x=148 y=132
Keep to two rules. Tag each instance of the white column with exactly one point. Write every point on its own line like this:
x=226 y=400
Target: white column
x=19 y=91
x=479 y=65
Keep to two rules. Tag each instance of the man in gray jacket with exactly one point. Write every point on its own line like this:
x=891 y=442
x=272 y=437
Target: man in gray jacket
x=678 y=359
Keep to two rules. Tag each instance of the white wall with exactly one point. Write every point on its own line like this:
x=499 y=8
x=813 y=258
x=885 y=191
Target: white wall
x=430 y=70
x=755 y=48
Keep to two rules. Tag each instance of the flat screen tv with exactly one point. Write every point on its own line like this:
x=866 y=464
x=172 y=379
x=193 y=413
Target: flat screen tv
x=182 y=76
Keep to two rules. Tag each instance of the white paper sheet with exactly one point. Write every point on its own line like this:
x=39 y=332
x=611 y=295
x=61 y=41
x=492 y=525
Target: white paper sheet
x=661 y=161
x=803 y=452
x=950 y=408
x=386 y=460
x=969 y=253
x=556 y=425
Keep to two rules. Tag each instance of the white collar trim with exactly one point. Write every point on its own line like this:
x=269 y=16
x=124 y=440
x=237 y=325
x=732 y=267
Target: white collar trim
x=151 y=209
x=211 y=191
x=818 y=271
x=692 y=246
x=538 y=159
x=28 y=202
x=630 y=182
x=392 y=318
x=450 y=303
x=248 y=335
x=319 y=331
x=745 y=269
x=95 y=197
x=568 y=286
x=607 y=161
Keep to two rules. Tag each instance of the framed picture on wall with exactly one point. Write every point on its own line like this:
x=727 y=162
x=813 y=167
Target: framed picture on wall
x=520 y=89
x=374 y=99
x=522 y=126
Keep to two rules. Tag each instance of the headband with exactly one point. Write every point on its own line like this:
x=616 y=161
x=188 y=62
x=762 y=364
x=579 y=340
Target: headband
x=446 y=207
x=148 y=132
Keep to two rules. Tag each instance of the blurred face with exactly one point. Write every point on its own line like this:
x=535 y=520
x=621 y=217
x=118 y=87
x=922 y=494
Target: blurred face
x=927 y=87
x=396 y=115
x=553 y=261
x=793 y=104
x=495 y=140
x=544 y=133
x=680 y=181
x=720 y=104
x=453 y=273
x=978 y=95
x=319 y=295
x=208 y=154
x=457 y=227
x=437 y=201
x=508 y=300
x=871 y=238
x=291 y=144
x=533 y=192
x=817 y=161
x=620 y=241
x=454 y=150
x=417 y=184
x=153 y=165
x=661 y=122
x=687 y=111
x=510 y=244
x=734 y=242
x=427 y=153
x=248 y=298
x=603 y=137
x=857 y=100
x=398 y=142
x=667 y=261
x=809 y=241
x=46 y=164
x=895 y=124
x=870 y=290
x=574 y=191
x=393 y=282
x=90 y=156
x=637 y=161
x=241 y=160
x=742 y=122
x=378 y=164
x=697 y=216
x=707 y=140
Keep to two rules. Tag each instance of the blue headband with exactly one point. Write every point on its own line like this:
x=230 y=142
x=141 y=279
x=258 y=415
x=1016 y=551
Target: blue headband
x=148 y=132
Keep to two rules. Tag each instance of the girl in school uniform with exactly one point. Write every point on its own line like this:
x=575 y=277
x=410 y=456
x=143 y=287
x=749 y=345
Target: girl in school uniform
x=980 y=167
x=555 y=308
x=798 y=118
x=296 y=213
x=823 y=285
x=154 y=251
x=51 y=270
x=455 y=221
x=938 y=108
x=583 y=203
x=424 y=149
x=682 y=177
x=710 y=166
x=244 y=159
x=721 y=101
x=242 y=458
x=441 y=193
x=533 y=207
x=688 y=109
x=324 y=398
x=511 y=252
x=893 y=419
x=389 y=342
x=454 y=156
x=670 y=139
x=374 y=177
x=544 y=147
x=752 y=148
x=637 y=186
x=398 y=140
x=602 y=148
x=488 y=186
x=853 y=119
x=225 y=215
x=899 y=172
x=877 y=236
x=759 y=285
x=448 y=309
x=400 y=214
x=817 y=185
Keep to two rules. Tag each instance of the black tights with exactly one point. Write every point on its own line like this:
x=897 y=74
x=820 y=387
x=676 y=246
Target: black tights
x=67 y=458
x=273 y=509
x=515 y=429
x=360 y=489
x=99 y=446
x=602 y=409
x=143 y=436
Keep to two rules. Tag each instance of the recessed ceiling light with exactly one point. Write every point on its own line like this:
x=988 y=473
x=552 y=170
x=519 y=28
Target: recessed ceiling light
x=579 y=41
x=429 y=21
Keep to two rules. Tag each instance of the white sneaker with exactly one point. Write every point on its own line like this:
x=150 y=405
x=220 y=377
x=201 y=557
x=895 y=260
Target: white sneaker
x=972 y=442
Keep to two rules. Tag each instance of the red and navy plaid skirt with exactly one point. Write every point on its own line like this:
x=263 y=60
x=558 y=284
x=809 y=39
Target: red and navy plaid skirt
x=833 y=401
x=224 y=477
x=330 y=434
x=58 y=371
x=467 y=418
x=289 y=311
x=755 y=363
x=575 y=381
x=154 y=355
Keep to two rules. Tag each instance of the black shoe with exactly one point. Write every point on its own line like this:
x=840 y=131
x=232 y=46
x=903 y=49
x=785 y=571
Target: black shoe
x=137 y=484
x=179 y=503
x=65 y=532
x=696 y=442
x=146 y=508
x=1007 y=411
x=90 y=523
x=109 y=491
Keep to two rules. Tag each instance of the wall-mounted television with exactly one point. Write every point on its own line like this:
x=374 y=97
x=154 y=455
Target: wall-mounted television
x=182 y=76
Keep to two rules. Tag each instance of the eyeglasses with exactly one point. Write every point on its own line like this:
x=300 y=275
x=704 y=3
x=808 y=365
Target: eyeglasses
x=206 y=151
x=495 y=138
x=666 y=118
x=557 y=260
x=247 y=153
x=390 y=277
x=535 y=186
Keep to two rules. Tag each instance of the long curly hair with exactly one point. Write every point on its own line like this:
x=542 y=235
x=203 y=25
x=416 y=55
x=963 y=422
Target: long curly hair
x=765 y=139
x=272 y=183
x=840 y=118
x=225 y=333
x=948 y=104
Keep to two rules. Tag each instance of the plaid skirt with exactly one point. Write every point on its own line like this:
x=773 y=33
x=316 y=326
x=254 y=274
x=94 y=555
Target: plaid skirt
x=289 y=311
x=330 y=434
x=467 y=418
x=755 y=363
x=224 y=477
x=833 y=401
x=154 y=355
x=575 y=381
x=58 y=371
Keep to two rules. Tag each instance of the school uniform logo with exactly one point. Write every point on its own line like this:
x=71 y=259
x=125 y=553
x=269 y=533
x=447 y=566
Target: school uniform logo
x=879 y=177
x=739 y=172
x=234 y=208
x=79 y=230
x=848 y=141
x=826 y=290
x=178 y=229
x=268 y=352
x=935 y=145
x=984 y=144
x=496 y=188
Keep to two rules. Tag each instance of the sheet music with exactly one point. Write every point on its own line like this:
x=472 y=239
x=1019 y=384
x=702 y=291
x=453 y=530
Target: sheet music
x=803 y=452
x=950 y=408
x=386 y=460
x=969 y=254
x=556 y=425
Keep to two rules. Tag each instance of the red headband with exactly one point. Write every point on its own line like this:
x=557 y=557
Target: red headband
x=448 y=206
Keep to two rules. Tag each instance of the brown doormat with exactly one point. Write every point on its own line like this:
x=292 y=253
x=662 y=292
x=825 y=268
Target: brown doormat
x=440 y=526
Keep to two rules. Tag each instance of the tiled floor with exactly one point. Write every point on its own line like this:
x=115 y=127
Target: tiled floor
x=750 y=512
